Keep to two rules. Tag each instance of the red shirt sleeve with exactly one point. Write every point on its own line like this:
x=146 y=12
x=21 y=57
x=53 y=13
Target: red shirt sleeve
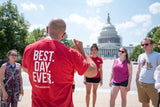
x=79 y=62
x=101 y=60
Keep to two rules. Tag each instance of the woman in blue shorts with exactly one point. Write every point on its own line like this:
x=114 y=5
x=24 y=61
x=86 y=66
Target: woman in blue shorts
x=121 y=76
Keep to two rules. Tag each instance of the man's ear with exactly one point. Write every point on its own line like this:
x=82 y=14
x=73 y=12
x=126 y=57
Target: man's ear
x=46 y=31
x=63 y=35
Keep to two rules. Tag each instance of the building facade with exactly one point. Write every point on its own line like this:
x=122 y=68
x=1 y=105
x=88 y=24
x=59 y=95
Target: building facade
x=109 y=42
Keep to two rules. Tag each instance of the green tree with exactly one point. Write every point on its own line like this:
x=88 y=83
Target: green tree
x=155 y=35
x=156 y=38
x=13 y=29
x=35 y=35
x=67 y=42
x=136 y=52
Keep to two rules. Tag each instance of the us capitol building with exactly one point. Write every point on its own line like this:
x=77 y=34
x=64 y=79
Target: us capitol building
x=109 y=42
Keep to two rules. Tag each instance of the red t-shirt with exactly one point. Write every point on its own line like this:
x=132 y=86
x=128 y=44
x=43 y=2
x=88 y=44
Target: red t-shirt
x=51 y=68
x=97 y=60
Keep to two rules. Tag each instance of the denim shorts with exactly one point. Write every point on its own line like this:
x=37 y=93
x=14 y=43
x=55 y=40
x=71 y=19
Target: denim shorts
x=124 y=84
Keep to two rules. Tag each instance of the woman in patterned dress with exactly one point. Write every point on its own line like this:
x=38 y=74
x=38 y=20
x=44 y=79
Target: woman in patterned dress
x=11 y=81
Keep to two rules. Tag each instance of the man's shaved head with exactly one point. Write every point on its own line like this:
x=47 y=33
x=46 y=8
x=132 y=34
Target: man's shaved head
x=56 y=27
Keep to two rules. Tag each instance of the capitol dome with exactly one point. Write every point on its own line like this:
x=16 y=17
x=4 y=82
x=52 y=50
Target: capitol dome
x=109 y=42
x=108 y=36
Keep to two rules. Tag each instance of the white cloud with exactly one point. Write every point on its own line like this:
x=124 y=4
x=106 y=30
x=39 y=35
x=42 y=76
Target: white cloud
x=93 y=24
x=136 y=21
x=135 y=28
x=126 y=25
x=93 y=37
x=97 y=2
x=77 y=19
x=31 y=6
x=144 y=20
x=35 y=26
x=139 y=31
x=98 y=10
x=41 y=6
x=141 y=18
x=155 y=8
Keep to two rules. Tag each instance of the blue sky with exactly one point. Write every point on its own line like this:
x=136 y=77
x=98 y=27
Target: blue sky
x=133 y=19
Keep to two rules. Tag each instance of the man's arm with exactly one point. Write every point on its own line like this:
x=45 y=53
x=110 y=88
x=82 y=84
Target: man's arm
x=92 y=69
x=2 y=73
x=138 y=72
x=130 y=76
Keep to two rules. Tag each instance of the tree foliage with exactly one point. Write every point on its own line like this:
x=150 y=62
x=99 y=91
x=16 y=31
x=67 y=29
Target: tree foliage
x=13 y=29
x=156 y=38
x=136 y=52
x=67 y=42
x=155 y=35
x=35 y=35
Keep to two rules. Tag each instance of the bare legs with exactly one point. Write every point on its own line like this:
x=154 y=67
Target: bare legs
x=145 y=104
x=88 y=92
x=114 y=93
x=95 y=86
x=123 y=96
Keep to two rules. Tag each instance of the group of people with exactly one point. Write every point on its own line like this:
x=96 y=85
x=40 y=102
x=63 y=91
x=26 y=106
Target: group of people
x=51 y=66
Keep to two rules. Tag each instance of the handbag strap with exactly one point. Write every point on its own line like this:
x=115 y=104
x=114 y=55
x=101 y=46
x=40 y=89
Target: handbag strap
x=10 y=77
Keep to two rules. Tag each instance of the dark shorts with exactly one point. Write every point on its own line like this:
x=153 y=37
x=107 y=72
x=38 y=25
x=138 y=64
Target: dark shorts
x=124 y=84
x=73 y=86
x=93 y=80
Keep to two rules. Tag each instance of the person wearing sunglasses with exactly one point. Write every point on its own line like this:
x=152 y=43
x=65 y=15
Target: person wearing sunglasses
x=120 y=79
x=11 y=81
x=94 y=81
x=147 y=63
x=51 y=65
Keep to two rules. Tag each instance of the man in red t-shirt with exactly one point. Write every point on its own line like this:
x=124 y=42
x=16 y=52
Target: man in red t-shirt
x=51 y=65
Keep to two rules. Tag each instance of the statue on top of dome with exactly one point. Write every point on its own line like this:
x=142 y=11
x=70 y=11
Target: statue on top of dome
x=108 y=19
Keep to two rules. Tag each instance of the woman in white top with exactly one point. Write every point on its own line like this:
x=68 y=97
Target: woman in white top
x=157 y=78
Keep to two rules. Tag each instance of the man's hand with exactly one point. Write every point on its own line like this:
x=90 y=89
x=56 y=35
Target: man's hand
x=78 y=45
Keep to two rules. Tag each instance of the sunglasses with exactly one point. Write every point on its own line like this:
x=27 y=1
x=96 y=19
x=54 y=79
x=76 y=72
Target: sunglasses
x=13 y=55
x=121 y=51
x=145 y=44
